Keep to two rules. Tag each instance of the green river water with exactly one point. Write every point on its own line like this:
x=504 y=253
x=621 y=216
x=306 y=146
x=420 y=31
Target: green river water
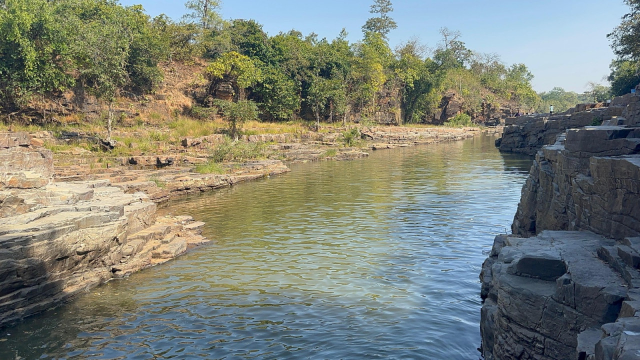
x=375 y=258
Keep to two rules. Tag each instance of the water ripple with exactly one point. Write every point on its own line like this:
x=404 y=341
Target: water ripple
x=368 y=259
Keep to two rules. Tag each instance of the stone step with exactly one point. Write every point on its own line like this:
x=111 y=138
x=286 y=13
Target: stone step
x=155 y=232
x=629 y=308
x=587 y=341
x=629 y=256
x=609 y=254
x=171 y=250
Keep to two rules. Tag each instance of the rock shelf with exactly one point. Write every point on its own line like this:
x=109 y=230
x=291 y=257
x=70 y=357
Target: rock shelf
x=60 y=239
x=566 y=283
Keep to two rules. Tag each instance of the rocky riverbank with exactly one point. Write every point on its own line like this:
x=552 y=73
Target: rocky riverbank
x=172 y=174
x=69 y=228
x=60 y=239
x=566 y=283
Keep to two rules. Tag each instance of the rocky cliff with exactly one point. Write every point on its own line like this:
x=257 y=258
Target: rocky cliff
x=58 y=239
x=566 y=283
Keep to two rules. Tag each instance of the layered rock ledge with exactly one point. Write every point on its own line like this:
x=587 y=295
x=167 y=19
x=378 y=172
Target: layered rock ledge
x=566 y=283
x=528 y=134
x=59 y=239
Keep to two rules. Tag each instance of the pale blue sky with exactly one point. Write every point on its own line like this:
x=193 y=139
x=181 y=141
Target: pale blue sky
x=563 y=42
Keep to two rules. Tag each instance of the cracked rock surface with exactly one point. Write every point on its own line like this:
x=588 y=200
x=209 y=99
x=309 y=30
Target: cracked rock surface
x=566 y=283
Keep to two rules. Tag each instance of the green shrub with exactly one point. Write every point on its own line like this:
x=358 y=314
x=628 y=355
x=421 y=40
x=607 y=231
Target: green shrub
x=460 y=120
x=238 y=151
x=202 y=113
x=351 y=137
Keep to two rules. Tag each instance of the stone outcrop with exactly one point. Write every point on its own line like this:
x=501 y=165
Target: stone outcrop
x=22 y=165
x=527 y=134
x=58 y=239
x=588 y=181
x=566 y=283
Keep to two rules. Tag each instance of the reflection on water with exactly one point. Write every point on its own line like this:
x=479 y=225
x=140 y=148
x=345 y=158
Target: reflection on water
x=375 y=258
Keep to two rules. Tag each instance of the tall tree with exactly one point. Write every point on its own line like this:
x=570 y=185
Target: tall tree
x=383 y=23
x=625 y=39
x=204 y=11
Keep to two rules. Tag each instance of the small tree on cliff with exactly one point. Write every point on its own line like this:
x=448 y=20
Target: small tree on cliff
x=382 y=24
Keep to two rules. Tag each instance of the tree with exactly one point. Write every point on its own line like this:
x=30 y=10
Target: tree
x=239 y=70
x=34 y=52
x=624 y=76
x=204 y=11
x=237 y=113
x=598 y=92
x=277 y=94
x=382 y=24
x=625 y=42
x=452 y=53
x=625 y=39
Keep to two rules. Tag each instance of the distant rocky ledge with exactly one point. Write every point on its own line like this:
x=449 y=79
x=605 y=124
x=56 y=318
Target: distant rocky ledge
x=566 y=283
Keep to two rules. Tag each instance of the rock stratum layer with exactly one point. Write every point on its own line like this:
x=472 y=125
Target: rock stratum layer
x=527 y=134
x=566 y=283
x=58 y=239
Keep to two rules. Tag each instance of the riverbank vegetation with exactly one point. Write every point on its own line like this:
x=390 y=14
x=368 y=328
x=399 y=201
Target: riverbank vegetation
x=101 y=49
x=95 y=65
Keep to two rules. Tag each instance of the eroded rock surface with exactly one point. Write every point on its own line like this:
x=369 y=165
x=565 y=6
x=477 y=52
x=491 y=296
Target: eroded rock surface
x=58 y=239
x=566 y=284
x=527 y=134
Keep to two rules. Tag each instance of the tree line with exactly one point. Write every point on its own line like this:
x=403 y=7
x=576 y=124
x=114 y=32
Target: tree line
x=104 y=49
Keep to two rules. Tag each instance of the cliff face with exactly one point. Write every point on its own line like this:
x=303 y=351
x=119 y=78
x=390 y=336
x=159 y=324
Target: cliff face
x=566 y=284
x=58 y=239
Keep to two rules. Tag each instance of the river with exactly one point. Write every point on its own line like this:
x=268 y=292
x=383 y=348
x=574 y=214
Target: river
x=375 y=258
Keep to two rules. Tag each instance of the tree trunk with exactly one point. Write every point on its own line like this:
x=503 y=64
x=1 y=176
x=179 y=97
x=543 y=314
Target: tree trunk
x=205 y=15
x=317 y=113
x=110 y=117
x=331 y=111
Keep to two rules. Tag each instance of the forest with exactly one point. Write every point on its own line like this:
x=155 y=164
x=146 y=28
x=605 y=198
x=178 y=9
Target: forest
x=103 y=49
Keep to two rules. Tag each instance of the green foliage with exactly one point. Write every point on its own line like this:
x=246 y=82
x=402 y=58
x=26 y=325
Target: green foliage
x=210 y=167
x=277 y=94
x=625 y=41
x=598 y=92
x=238 y=151
x=560 y=99
x=204 y=12
x=235 y=68
x=625 y=75
x=460 y=120
x=201 y=113
x=237 y=114
x=351 y=137
x=382 y=24
x=34 y=51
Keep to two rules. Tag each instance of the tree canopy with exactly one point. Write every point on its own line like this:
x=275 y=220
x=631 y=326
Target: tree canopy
x=108 y=50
